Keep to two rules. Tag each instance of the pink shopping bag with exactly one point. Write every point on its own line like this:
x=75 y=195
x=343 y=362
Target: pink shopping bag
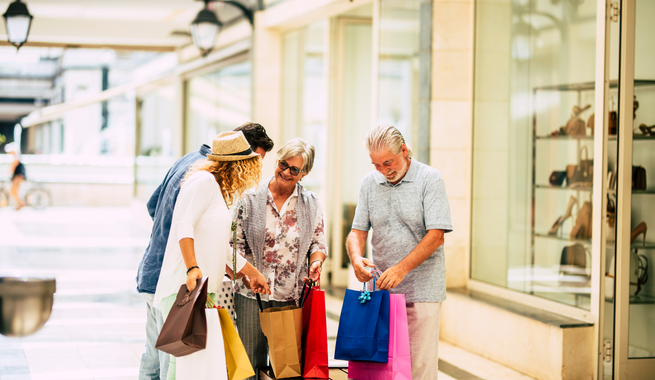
x=399 y=366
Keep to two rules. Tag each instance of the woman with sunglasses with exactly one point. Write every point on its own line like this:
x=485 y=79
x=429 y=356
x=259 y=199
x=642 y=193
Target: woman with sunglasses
x=281 y=232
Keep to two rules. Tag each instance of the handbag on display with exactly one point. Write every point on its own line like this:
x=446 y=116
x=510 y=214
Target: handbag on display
x=576 y=126
x=582 y=174
x=363 y=332
x=573 y=265
x=185 y=329
x=638 y=275
x=638 y=178
x=399 y=366
x=557 y=178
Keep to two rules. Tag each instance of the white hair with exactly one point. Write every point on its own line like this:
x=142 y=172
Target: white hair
x=384 y=137
x=298 y=148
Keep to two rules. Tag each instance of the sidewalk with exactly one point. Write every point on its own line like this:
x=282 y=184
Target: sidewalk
x=97 y=326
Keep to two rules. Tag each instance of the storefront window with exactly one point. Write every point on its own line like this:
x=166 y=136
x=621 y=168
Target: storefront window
x=217 y=101
x=304 y=96
x=398 y=67
x=155 y=123
x=533 y=147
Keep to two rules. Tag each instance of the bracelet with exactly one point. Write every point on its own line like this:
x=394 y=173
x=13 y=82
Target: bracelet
x=189 y=270
x=319 y=260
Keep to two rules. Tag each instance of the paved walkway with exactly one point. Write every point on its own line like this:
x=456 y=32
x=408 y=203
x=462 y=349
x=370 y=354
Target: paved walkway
x=97 y=326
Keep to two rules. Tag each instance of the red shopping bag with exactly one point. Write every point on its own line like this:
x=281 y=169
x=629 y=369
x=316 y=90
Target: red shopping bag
x=399 y=366
x=314 y=332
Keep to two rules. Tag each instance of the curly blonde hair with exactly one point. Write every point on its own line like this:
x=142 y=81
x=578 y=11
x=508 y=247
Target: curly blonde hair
x=233 y=177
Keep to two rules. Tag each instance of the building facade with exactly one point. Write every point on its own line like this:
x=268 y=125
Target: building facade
x=547 y=266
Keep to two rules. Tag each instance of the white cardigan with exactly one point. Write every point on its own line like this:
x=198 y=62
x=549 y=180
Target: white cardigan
x=201 y=214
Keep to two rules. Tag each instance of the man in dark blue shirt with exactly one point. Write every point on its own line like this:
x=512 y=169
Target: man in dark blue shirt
x=154 y=363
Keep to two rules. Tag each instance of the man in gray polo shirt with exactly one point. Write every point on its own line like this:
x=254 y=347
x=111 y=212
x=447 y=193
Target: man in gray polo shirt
x=405 y=203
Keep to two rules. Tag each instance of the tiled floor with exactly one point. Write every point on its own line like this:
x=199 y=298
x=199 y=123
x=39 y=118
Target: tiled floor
x=97 y=326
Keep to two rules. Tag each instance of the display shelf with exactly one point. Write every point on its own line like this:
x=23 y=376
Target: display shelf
x=591 y=138
x=560 y=138
x=555 y=237
x=549 y=187
x=636 y=246
x=634 y=192
x=585 y=86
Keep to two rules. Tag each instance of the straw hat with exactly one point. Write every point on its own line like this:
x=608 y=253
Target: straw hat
x=231 y=146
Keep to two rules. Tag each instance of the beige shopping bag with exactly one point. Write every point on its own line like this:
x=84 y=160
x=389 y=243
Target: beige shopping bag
x=283 y=330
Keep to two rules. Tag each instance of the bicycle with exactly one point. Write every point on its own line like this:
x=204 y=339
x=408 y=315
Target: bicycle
x=38 y=196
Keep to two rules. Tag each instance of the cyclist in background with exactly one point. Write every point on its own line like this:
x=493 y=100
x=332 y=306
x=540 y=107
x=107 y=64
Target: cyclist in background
x=17 y=171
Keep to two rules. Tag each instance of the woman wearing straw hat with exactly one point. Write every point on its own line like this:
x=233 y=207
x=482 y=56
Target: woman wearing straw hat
x=18 y=173
x=280 y=230
x=200 y=230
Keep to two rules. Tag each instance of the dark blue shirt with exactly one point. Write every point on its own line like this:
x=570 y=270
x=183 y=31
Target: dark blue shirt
x=160 y=208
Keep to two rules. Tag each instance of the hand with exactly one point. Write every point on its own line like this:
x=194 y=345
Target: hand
x=192 y=278
x=258 y=284
x=359 y=265
x=314 y=272
x=391 y=278
x=245 y=280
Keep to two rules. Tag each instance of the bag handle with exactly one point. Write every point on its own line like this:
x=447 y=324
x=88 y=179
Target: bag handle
x=371 y=282
x=189 y=294
x=259 y=302
x=303 y=295
x=580 y=155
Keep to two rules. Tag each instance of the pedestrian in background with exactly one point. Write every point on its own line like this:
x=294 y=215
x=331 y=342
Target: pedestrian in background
x=154 y=363
x=283 y=236
x=17 y=172
x=198 y=243
x=405 y=203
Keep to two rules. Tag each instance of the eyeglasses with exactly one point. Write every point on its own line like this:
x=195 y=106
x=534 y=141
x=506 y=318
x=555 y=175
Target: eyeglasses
x=292 y=169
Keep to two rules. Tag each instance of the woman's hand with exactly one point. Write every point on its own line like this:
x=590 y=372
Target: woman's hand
x=253 y=279
x=258 y=284
x=314 y=271
x=192 y=278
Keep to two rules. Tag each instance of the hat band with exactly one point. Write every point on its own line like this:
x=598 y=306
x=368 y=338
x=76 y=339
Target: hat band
x=243 y=153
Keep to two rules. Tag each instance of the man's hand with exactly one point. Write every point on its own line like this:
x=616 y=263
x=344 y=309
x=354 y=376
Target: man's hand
x=258 y=284
x=391 y=278
x=359 y=265
x=192 y=278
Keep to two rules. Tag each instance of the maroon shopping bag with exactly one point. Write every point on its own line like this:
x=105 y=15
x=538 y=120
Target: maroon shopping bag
x=185 y=329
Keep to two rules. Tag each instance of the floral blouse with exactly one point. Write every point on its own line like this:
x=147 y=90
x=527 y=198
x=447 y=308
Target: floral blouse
x=281 y=245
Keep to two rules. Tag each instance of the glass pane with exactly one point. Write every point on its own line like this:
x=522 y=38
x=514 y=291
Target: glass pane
x=304 y=97
x=217 y=102
x=398 y=67
x=641 y=341
x=533 y=151
x=610 y=218
x=155 y=151
x=355 y=118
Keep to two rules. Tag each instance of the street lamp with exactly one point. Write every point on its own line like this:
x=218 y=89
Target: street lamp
x=17 y=20
x=206 y=25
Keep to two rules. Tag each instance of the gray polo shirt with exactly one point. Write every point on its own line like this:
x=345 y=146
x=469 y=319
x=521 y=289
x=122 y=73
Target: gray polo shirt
x=400 y=216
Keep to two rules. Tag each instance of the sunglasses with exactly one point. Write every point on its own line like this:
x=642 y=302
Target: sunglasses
x=292 y=169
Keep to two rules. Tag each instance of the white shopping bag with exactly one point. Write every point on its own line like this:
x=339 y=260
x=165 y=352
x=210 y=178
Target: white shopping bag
x=207 y=364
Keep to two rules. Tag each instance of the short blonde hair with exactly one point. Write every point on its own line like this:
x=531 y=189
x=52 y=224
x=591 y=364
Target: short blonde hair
x=384 y=137
x=298 y=147
x=233 y=177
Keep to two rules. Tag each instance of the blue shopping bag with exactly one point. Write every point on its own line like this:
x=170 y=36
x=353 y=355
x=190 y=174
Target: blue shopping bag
x=363 y=333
